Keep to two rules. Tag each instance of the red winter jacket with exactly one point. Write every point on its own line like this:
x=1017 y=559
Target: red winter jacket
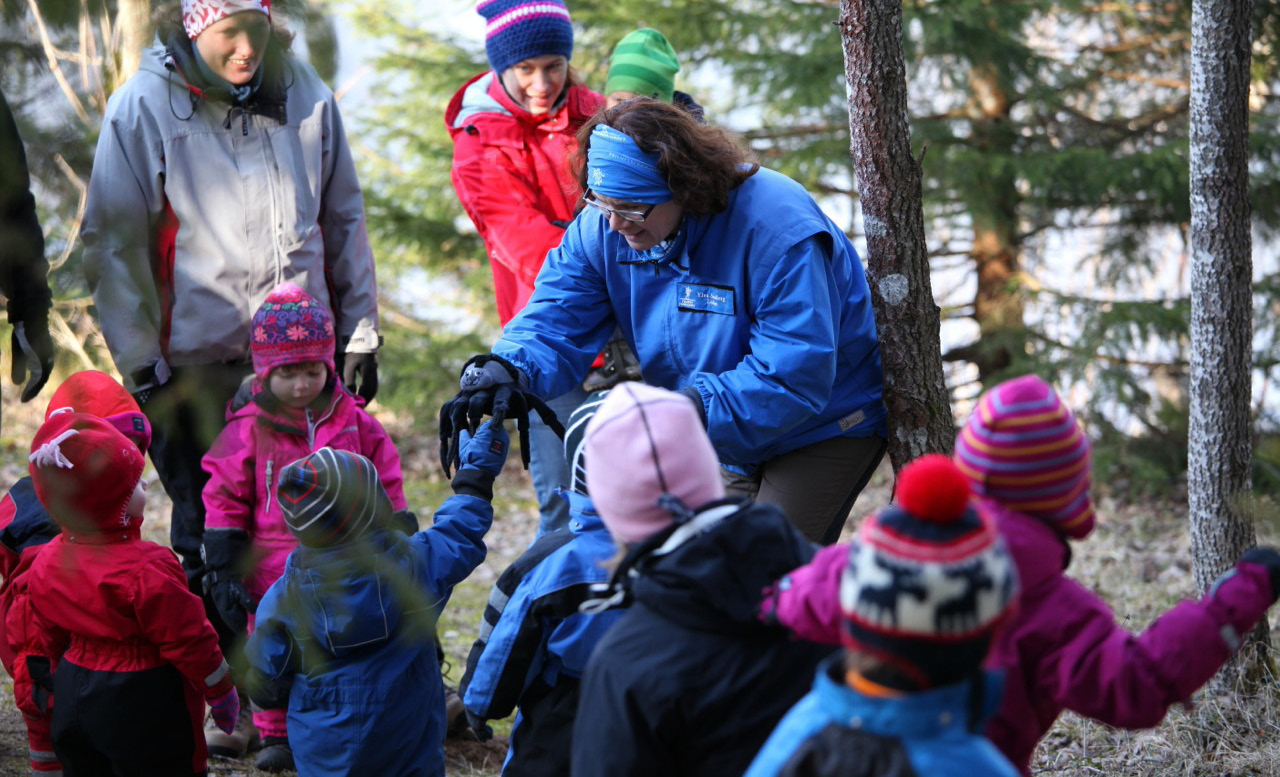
x=110 y=601
x=259 y=439
x=511 y=171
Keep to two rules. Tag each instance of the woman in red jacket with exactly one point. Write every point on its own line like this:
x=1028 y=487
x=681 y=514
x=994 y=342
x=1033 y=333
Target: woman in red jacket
x=513 y=131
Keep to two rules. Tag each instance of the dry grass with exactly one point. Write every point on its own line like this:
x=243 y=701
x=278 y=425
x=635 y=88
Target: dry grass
x=1138 y=559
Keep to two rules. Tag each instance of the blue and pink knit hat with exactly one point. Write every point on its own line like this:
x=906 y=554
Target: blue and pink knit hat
x=291 y=327
x=1023 y=448
x=928 y=580
x=519 y=29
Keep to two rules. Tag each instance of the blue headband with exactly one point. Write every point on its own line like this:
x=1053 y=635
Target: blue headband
x=618 y=168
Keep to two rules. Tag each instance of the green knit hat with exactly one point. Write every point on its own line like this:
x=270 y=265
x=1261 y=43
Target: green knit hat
x=643 y=62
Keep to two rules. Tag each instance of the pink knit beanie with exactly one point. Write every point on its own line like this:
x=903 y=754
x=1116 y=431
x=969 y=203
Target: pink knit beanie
x=1023 y=448
x=291 y=327
x=644 y=447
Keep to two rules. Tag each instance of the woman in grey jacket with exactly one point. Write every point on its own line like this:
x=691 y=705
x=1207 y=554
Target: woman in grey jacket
x=222 y=170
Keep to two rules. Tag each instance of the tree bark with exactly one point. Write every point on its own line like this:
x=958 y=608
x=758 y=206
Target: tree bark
x=133 y=21
x=1219 y=455
x=907 y=318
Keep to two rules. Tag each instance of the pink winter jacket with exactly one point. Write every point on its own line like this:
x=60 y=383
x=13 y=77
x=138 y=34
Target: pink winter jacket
x=258 y=441
x=1063 y=648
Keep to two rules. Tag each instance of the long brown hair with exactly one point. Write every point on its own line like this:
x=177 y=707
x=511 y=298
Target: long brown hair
x=701 y=163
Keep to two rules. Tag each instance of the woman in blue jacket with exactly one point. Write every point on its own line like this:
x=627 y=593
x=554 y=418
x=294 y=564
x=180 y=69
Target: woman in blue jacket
x=731 y=286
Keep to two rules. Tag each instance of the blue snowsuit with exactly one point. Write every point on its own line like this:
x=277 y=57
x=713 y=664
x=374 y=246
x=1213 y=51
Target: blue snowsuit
x=534 y=643
x=837 y=731
x=763 y=308
x=345 y=640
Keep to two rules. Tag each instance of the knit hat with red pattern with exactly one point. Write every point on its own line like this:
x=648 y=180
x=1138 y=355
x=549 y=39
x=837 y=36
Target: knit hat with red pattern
x=1023 y=448
x=97 y=393
x=199 y=14
x=84 y=472
x=928 y=579
x=291 y=327
x=516 y=30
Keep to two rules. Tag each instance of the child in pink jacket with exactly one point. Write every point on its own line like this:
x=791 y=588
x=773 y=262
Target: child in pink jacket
x=297 y=407
x=1029 y=465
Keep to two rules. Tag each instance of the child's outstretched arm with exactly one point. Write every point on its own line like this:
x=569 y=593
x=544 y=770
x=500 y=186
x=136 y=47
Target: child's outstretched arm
x=807 y=600
x=455 y=544
x=228 y=501
x=1126 y=680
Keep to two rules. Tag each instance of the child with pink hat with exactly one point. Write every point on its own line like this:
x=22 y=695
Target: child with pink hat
x=1028 y=462
x=687 y=681
x=298 y=405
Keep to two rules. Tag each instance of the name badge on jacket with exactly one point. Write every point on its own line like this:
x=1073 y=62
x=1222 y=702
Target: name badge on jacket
x=705 y=298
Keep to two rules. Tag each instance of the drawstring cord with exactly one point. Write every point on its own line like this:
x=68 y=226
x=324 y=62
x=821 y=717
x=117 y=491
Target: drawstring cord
x=51 y=452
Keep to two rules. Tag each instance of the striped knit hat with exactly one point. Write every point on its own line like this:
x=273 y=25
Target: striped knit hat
x=643 y=62
x=291 y=327
x=928 y=580
x=1023 y=448
x=332 y=496
x=575 y=439
x=516 y=30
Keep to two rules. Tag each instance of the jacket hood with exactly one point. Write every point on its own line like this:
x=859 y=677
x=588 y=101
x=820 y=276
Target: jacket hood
x=710 y=573
x=175 y=60
x=360 y=595
x=1040 y=551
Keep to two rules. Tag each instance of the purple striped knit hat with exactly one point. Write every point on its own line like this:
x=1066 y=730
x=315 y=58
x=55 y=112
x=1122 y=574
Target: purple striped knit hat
x=291 y=327
x=516 y=30
x=1023 y=448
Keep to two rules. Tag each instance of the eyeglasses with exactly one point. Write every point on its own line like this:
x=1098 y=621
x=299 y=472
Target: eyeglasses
x=634 y=216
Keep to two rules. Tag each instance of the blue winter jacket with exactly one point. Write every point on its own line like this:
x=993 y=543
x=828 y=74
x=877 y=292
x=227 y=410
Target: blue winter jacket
x=837 y=731
x=534 y=643
x=346 y=640
x=764 y=308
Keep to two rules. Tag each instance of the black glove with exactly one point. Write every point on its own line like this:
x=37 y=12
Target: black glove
x=695 y=397
x=483 y=731
x=1268 y=557
x=490 y=385
x=359 y=372
x=224 y=552
x=31 y=348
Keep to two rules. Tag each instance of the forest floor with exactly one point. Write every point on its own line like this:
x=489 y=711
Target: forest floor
x=1139 y=559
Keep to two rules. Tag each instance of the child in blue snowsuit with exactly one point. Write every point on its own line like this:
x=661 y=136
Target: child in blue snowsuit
x=345 y=637
x=534 y=642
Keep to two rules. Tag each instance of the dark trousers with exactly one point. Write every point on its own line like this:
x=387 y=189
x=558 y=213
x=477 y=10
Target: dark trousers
x=186 y=415
x=122 y=724
x=815 y=486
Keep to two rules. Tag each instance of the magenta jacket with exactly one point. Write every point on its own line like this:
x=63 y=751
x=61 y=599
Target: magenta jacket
x=258 y=441
x=1063 y=648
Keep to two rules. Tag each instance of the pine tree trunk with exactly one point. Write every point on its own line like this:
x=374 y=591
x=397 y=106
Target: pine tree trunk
x=907 y=318
x=1218 y=473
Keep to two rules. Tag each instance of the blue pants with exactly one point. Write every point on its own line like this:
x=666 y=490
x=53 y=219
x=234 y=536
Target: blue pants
x=547 y=464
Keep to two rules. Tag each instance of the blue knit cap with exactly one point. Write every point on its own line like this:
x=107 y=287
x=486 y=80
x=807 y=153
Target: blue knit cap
x=519 y=29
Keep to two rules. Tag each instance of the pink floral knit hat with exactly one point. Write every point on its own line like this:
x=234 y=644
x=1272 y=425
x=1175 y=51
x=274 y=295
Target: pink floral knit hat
x=291 y=327
x=1023 y=448
x=199 y=14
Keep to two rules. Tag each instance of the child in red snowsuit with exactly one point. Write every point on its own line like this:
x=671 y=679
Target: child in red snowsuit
x=297 y=407
x=132 y=656
x=25 y=527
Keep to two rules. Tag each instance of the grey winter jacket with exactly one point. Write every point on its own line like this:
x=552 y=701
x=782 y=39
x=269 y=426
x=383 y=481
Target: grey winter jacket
x=198 y=206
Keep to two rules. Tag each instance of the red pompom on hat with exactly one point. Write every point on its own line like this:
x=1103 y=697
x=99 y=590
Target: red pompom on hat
x=932 y=488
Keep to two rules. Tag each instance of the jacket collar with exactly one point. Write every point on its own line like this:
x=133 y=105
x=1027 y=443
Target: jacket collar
x=947 y=710
x=270 y=99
